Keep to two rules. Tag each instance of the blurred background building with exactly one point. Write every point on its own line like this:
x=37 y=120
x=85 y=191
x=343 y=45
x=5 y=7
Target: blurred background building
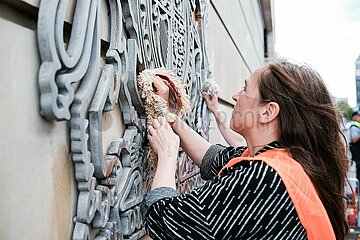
x=357 y=81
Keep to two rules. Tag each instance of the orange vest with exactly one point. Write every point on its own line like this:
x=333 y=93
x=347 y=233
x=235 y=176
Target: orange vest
x=302 y=192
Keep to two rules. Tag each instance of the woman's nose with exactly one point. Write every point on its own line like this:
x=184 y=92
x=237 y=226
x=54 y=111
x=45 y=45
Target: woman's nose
x=235 y=97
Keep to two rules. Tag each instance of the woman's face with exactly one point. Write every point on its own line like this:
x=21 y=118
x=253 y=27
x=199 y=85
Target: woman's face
x=245 y=113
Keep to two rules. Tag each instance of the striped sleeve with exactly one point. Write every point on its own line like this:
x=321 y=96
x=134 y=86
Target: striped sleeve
x=249 y=202
x=216 y=157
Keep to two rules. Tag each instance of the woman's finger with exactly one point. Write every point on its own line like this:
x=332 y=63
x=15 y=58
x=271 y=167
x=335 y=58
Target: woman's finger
x=159 y=85
x=149 y=137
x=162 y=121
x=155 y=123
x=151 y=130
x=160 y=88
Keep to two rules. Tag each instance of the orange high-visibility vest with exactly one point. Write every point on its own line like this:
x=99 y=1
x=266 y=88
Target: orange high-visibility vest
x=302 y=192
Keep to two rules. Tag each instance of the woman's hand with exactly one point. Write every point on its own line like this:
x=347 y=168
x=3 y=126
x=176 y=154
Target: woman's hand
x=163 y=140
x=166 y=144
x=160 y=88
x=212 y=102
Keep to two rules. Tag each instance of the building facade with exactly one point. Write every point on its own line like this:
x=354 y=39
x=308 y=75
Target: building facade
x=73 y=146
x=357 y=81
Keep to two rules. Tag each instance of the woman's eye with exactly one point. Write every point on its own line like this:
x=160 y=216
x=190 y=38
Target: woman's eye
x=244 y=87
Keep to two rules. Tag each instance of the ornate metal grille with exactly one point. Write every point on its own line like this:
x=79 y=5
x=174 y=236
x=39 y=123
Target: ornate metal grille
x=83 y=77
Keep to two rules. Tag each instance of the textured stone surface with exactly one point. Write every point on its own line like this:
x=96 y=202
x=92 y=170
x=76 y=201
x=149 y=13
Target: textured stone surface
x=78 y=86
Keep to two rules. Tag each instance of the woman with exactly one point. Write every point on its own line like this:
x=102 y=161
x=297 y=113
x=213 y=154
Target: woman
x=288 y=182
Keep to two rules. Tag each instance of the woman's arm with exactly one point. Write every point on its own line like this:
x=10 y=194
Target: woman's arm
x=166 y=145
x=231 y=137
x=192 y=143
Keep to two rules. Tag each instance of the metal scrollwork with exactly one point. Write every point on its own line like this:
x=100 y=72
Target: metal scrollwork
x=61 y=68
x=80 y=80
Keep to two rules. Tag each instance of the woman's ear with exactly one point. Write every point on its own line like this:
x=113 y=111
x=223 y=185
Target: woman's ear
x=269 y=112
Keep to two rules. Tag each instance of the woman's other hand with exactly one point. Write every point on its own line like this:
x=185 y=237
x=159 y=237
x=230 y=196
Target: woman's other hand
x=212 y=102
x=163 y=139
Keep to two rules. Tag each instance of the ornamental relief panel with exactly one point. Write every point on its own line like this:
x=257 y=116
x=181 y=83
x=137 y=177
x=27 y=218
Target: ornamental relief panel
x=82 y=77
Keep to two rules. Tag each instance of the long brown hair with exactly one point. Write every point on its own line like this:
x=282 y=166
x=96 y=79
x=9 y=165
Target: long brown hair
x=309 y=129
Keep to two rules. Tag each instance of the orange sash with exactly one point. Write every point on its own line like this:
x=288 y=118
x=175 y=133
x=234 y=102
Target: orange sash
x=302 y=192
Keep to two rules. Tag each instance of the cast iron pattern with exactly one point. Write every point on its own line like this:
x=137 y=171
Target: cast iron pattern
x=81 y=79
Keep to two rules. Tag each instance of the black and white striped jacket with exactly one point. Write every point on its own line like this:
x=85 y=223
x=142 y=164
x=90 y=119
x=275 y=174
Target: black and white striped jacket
x=248 y=201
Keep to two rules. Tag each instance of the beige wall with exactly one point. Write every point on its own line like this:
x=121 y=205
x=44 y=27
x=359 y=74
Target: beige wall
x=235 y=45
x=38 y=189
x=37 y=178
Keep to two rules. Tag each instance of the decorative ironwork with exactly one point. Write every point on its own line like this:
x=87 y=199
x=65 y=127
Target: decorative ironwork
x=78 y=83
